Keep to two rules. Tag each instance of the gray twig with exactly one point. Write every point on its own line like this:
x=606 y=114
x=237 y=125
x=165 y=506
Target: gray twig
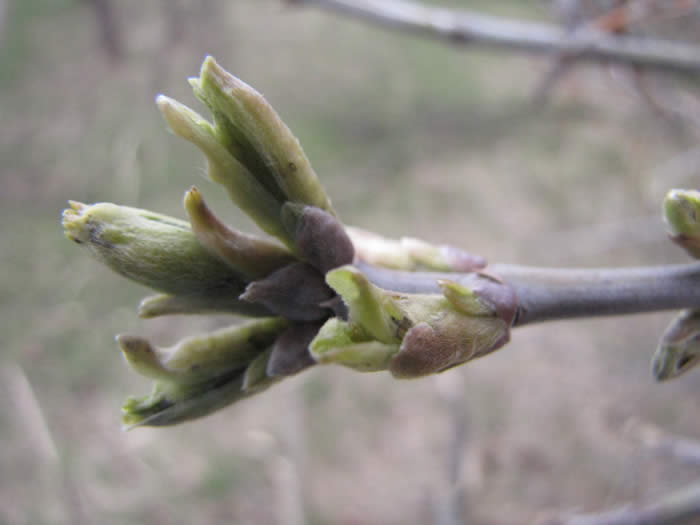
x=546 y=294
x=467 y=27
x=674 y=508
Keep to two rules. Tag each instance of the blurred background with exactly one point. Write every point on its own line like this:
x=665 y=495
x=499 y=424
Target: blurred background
x=463 y=145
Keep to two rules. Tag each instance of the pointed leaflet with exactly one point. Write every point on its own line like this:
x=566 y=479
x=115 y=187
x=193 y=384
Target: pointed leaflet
x=251 y=256
x=244 y=189
x=254 y=133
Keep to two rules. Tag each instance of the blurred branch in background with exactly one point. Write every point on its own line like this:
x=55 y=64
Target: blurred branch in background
x=3 y=8
x=470 y=28
x=614 y=18
x=676 y=507
x=659 y=441
x=109 y=28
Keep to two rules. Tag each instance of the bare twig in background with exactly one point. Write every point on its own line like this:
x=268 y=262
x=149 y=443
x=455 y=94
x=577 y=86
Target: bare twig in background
x=174 y=13
x=3 y=9
x=450 y=506
x=572 y=18
x=659 y=441
x=675 y=508
x=109 y=31
x=467 y=27
x=36 y=429
x=676 y=172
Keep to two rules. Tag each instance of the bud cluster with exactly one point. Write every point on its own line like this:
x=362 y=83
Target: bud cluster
x=312 y=305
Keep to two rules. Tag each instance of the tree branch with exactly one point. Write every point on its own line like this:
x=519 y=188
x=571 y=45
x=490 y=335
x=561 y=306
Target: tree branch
x=467 y=27
x=659 y=441
x=546 y=294
x=675 y=508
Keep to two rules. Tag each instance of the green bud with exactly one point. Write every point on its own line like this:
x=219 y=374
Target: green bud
x=682 y=213
x=434 y=332
x=336 y=343
x=480 y=294
x=679 y=349
x=319 y=237
x=246 y=254
x=253 y=133
x=187 y=373
x=154 y=250
x=464 y=299
x=246 y=192
x=296 y=292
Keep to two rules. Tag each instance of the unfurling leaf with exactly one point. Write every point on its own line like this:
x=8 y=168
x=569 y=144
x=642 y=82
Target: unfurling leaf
x=249 y=255
x=254 y=133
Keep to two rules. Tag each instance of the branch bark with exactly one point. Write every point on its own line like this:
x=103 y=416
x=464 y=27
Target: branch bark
x=546 y=294
x=467 y=27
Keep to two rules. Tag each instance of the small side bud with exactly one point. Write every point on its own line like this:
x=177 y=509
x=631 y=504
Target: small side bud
x=480 y=294
x=248 y=255
x=464 y=299
x=682 y=214
x=319 y=236
x=679 y=348
x=295 y=292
